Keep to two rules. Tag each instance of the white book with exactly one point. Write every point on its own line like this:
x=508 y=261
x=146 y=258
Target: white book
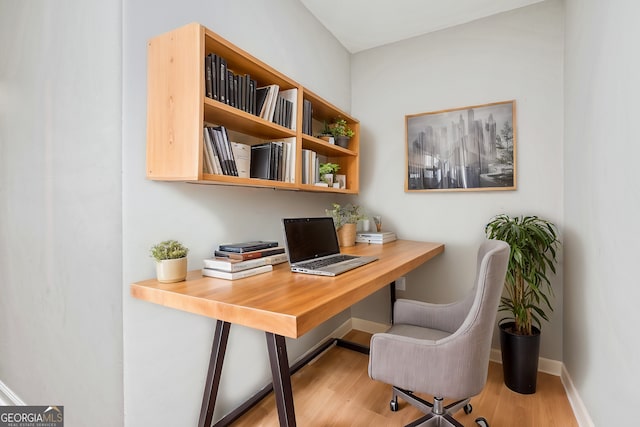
x=290 y=163
x=227 y=275
x=233 y=265
x=207 y=164
x=242 y=155
x=375 y=237
x=276 y=259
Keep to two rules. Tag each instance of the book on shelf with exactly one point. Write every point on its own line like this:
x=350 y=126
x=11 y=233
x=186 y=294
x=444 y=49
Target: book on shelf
x=285 y=113
x=219 y=139
x=375 y=237
x=233 y=265
x=212 y=161
x=307 y=117
x=269 y=105
x=210 y=272
x=224 y=85
x=251 y=254
x=242 y=157
x=248 y=246
x=273 y=160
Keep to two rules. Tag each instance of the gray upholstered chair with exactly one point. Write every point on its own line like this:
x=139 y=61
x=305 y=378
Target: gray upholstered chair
x=443 y=349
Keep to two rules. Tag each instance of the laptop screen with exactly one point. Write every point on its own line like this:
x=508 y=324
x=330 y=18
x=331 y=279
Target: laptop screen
x=309 y=238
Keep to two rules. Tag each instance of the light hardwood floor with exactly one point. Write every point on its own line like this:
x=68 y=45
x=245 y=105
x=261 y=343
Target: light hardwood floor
x=335 y=390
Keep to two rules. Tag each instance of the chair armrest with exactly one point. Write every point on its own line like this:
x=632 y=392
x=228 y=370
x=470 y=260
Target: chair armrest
x=445 y=317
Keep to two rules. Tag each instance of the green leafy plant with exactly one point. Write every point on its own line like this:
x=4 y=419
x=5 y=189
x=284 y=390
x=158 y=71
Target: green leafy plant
x=326 y=168
x=169 y=249
x=340 y=128
x=533 y=244
x=348 y=214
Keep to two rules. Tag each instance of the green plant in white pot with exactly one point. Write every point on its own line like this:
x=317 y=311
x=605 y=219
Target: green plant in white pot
x=171 y=261
x=328 y=172
x=528 y=292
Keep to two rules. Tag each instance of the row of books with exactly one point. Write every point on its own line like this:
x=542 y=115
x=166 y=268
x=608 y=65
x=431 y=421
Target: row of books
x=311 y=167
x=241 y=91
x=274 y=160
x=223 y=156
x=278 y=106
x=222 y=84
x=240 y=260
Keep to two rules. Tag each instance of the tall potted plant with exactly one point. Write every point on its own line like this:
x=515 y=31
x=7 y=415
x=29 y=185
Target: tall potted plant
x=534 y=243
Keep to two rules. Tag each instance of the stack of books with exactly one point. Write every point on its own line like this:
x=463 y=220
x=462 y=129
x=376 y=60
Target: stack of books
x=238 y=260
x=375 y=237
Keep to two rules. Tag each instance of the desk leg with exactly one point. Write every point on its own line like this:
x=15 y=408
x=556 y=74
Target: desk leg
x=281 y=379
x=210 y=394
x=392 y=289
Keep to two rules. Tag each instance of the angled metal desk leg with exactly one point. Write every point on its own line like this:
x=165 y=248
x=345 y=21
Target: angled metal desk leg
x=281 y=379
x=210 y=394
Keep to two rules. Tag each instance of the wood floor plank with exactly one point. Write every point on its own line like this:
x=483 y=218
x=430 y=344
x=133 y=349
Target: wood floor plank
x=335 y=390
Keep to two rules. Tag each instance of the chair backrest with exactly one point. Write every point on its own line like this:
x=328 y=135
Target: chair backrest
x=476 y=331
x=492 y=262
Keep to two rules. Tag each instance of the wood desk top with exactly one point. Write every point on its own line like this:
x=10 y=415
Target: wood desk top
x=285 y=303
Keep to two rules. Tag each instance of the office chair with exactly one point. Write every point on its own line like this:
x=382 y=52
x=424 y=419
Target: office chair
x=443 y=349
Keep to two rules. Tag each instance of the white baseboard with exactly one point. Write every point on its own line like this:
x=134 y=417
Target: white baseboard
x=579 y=409
x=8 y=397
x=368 y=326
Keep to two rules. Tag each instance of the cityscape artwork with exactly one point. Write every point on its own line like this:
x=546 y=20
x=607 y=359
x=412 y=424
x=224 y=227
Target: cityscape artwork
x=463 y=149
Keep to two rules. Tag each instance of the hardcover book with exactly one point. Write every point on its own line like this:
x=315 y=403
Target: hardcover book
x=248 y=246
x=251 y=254
x=233 y=265
x=210 y=272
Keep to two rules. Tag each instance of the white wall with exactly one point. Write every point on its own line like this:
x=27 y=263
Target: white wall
x=166 y=351
x=602 y=206
x=60 y=217
x=513 y=55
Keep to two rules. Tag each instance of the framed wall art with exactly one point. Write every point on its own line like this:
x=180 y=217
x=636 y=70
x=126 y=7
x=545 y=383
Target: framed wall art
x=462 y=149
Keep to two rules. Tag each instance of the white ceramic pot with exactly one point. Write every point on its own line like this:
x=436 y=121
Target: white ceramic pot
x=171 y=270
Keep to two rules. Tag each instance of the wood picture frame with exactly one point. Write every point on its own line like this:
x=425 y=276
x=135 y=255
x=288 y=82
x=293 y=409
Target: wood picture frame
x=462 y=149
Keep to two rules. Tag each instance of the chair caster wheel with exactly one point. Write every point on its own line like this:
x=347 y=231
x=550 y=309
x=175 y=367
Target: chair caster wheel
x=482 y=422
x=394 y=405
x=468 y=408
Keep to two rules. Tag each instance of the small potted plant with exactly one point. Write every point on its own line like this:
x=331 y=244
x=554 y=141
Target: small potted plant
x=346 y=218
x=533 y=244
x=341 y=132
x=328 y=171
x=326 y=134
x=171 y=261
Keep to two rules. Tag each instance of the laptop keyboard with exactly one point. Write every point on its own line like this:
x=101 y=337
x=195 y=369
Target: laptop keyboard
x=327 y=261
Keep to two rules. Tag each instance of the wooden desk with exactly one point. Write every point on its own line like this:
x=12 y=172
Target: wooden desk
x=283 y=304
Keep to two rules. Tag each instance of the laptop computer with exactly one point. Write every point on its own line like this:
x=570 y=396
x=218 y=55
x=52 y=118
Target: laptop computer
x=312 y=246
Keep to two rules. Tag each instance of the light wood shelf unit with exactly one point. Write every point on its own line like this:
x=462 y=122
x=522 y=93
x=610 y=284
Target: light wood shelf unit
x=177 y=111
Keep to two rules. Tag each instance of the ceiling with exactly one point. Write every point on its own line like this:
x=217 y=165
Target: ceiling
x=364 y=24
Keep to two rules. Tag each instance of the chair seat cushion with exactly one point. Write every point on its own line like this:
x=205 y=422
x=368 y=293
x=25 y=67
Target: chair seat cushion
x=417 y=332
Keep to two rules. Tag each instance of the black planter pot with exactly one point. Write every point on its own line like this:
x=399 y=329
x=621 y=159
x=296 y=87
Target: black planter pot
x=343 y=141
x=519 y=358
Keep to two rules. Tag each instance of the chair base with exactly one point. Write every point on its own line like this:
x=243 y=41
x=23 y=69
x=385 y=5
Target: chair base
x=437 y=415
